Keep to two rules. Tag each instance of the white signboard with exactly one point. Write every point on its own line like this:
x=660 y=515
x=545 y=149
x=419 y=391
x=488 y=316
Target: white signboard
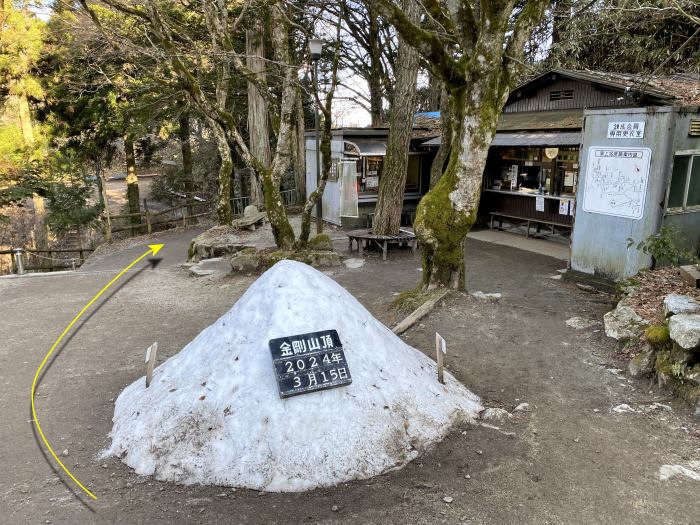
x=563 y=207
x=616 y=181
x=539 y=203
x=626 y=130
x=348 y=189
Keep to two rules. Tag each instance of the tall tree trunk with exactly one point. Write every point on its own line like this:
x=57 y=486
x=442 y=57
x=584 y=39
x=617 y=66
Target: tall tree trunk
x=132 y=181
x=434 y=98
x=559 y=15
x=447 y=212
x=443 y=151
x=299 y=153
x=272 y=177
x=324 y=146
x=186 y=152
x=374 y=81
x=258 y=114
x=25 y=120
x=102 y=186
x=223 y=205
x=387 y=219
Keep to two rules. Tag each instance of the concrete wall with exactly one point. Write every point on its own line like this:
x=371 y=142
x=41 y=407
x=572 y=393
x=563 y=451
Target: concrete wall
x=599 y=242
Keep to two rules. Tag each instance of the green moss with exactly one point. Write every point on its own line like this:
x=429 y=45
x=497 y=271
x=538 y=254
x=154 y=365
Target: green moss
x=657 y=334
x=276 y=214
x=190 y=251
x=623 y=286
x=408 y=301
x=664 y=362
x=321 y=242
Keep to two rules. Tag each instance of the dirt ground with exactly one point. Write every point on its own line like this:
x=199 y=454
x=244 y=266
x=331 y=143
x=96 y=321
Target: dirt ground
x=569 y=458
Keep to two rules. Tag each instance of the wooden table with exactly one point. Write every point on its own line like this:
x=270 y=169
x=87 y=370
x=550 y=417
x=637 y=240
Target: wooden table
x=364 y=237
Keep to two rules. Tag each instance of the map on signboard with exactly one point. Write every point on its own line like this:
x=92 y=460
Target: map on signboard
x=309 y=362
x=616 y=181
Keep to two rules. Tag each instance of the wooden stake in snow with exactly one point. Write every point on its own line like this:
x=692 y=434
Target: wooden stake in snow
x=440 y=349
x=150 y=361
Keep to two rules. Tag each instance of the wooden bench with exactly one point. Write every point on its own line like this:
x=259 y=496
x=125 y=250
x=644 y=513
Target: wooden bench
x=365 y=236
x=528 y=221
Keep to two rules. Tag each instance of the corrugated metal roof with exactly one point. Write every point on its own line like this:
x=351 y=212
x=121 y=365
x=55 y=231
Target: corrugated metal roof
x=557 y=138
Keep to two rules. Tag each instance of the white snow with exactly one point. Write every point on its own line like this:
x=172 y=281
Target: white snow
x=213 y=415
x=624 y=407
x=494 y=296
x=667 y=472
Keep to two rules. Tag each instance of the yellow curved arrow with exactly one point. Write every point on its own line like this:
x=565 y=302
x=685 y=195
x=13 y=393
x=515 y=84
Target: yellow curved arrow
x=154 y=248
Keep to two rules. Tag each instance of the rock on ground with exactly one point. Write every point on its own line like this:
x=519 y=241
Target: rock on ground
x=579 y=323
x=495 y=414
x=684 y=329
x=680 y=304
x=642 y=365
x=216 y=242
x=213 y=414
x=624 y=323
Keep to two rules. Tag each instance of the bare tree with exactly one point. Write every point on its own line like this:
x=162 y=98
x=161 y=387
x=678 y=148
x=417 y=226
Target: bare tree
x=476 y=51
x=387 y=219
x=258 y=111
x=325 y=139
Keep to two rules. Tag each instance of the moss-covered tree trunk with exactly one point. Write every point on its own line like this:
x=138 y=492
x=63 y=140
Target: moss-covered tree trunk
x=446 y=125
x=132 y=182
x=387 y=219
x=223 y=199
x=272 y=178
x=446 y=214
x=324 y=145
x=489 y=38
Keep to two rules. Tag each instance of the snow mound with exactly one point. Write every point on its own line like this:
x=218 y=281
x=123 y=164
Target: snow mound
x=213 y=414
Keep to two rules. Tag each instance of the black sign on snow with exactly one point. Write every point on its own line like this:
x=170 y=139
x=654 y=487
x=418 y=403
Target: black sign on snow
x=309 y=362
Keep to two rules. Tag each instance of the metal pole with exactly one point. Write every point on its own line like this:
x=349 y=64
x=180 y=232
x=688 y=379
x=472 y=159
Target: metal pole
x=18 y=261
x=319 y=202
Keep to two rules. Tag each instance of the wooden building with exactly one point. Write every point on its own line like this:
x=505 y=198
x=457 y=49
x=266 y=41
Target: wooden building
x=361 y=151
x=532 y=171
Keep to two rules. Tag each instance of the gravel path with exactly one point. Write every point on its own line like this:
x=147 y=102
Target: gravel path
x=567 y=457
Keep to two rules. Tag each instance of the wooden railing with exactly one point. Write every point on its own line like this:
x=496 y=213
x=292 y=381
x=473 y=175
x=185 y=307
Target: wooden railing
x=148 y=220
x=29 y=259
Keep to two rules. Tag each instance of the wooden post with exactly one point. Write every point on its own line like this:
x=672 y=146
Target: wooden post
x=150 y=361
x=18 y=261
x=184 y=217
x=440 y=349
x=149 y=228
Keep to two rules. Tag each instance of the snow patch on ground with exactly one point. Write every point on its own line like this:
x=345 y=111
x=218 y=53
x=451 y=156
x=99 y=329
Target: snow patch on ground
x=354 y=263
x=667 y=472
x=213 y=414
